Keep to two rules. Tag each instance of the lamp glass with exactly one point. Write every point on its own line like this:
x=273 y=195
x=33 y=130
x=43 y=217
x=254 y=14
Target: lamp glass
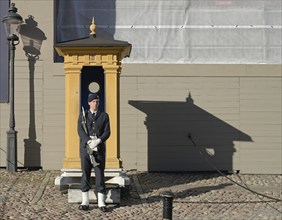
x=12 y=22
x=12 y=26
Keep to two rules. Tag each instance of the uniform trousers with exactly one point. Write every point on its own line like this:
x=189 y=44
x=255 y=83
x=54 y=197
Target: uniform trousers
x=86 y=167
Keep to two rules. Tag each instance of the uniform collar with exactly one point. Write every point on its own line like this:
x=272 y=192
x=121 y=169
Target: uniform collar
x=92 y=112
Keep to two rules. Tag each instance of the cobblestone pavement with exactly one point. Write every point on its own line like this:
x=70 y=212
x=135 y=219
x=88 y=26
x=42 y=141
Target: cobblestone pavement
x=33 y=195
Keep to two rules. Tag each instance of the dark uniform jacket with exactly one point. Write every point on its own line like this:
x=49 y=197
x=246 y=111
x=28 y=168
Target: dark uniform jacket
x=98 y=125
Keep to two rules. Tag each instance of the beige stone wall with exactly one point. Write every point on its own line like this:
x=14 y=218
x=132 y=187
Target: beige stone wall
x=237 y=113
x=48 y=103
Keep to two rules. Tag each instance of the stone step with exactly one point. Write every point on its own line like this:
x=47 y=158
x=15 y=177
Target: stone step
x=112 y=196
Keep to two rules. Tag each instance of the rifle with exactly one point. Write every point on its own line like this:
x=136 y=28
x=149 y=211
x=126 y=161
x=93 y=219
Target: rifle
x=88 y=149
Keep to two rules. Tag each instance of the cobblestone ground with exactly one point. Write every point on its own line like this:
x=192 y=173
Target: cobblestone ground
x=33 y=195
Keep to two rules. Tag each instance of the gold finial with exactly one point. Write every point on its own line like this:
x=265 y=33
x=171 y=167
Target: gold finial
x=93 y=28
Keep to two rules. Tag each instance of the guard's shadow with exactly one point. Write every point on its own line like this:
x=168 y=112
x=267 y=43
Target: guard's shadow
x=32 y=38
x=188 y=193
x=182 y=186
x=169 y=149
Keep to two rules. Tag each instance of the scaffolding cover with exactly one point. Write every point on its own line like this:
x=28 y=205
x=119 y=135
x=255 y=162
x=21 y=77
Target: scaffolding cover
x=181 y=31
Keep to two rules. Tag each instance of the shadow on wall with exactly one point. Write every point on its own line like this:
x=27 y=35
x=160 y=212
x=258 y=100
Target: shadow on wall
x=32 y=38
x=169 y=149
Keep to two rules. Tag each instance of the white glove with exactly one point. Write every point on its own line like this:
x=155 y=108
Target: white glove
x=97 y=141
x=94 y=143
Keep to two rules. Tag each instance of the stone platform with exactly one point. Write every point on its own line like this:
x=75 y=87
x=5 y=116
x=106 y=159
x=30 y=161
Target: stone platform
x=70 y=180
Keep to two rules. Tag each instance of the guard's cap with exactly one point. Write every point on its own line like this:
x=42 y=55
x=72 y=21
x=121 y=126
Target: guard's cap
x=92 y=96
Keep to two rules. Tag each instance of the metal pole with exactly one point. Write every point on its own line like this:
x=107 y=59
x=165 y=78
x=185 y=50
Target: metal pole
x=12 y=134
x=167 y=205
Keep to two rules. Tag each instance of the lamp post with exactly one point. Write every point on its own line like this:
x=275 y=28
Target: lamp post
x=12 y=23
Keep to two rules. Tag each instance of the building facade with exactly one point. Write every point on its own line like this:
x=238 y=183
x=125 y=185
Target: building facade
x=208 y=70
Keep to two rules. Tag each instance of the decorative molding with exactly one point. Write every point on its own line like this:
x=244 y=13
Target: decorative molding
x=91 y=60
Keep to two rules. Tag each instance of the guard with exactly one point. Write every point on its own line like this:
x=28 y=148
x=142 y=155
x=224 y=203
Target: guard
x=93 y=130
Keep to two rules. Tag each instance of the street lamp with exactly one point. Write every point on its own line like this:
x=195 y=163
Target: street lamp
x=12 y=23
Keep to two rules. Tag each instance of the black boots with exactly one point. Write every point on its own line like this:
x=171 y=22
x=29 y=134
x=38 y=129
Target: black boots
x=83 y=207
